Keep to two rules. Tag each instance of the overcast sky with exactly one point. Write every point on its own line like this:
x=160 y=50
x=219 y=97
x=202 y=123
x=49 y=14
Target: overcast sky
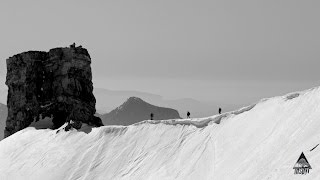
x=214 y=50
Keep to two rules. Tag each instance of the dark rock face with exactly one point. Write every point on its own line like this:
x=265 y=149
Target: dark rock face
x=135 y=110
x=53 y=84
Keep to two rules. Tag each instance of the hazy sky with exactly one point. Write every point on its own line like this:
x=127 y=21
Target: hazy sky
x=215 y=50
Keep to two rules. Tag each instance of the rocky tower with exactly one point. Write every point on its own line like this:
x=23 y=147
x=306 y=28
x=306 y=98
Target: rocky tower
x=54 y=84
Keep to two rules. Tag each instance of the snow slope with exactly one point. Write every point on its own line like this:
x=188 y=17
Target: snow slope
x=262 y=141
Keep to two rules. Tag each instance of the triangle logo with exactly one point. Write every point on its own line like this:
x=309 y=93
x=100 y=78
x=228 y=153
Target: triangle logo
x=302 y=166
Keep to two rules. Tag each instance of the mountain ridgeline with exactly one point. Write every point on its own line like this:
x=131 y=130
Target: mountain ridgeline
x=135 y=110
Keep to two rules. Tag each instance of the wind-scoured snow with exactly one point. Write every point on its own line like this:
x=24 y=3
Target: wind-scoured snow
x=261 y=141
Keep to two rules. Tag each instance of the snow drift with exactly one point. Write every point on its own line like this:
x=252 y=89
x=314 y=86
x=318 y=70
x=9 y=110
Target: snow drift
x=261 y=141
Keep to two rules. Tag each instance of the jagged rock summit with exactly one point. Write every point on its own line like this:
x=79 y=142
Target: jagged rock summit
x=135 y=110
x=56 y=84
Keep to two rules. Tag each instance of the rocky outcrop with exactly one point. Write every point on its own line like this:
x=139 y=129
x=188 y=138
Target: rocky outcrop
x=135 y=110
x=53 y=84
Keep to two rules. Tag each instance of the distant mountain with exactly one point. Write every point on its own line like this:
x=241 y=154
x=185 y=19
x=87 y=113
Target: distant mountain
x=135 y=110
x=3 y=96
x=3 y=117
x=107 y=100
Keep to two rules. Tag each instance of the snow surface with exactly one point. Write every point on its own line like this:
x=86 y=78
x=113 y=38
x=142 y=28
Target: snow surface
x=261 y=141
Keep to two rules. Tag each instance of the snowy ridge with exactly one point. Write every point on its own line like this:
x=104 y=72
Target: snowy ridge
x=198 y=122
x=261 y=141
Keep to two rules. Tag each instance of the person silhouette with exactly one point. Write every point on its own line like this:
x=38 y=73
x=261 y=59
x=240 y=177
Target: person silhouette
x=188 y=114
x=73 y=45
x=151 y=116
x=219 y=110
